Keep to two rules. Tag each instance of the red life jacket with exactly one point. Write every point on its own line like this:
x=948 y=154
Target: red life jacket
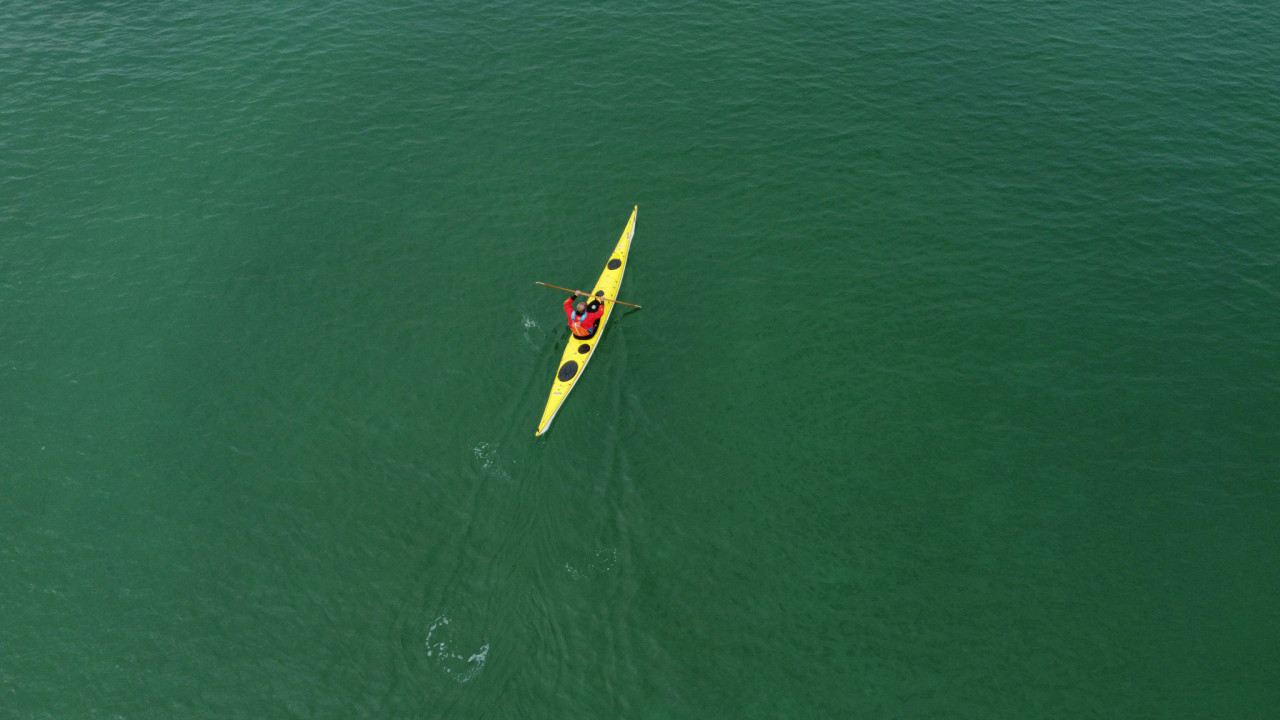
x=582 y=325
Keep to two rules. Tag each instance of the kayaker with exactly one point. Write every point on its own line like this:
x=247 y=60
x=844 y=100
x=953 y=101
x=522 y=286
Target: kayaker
x=584 y=315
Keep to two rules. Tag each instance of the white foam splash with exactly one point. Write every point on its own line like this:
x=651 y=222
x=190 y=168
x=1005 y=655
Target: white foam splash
x=597 y=563
x=487 y=456
x=534 y=335
x=462 y=669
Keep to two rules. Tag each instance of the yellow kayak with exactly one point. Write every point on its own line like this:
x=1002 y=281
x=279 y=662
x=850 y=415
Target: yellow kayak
x=578 y=352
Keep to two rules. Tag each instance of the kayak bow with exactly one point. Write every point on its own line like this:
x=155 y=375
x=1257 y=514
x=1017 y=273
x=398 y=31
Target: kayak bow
x=578 y=352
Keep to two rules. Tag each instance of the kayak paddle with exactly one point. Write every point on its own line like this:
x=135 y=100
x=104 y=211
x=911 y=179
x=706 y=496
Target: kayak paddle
x=557 y=287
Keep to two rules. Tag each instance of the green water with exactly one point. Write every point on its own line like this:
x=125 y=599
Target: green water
x=954 y=393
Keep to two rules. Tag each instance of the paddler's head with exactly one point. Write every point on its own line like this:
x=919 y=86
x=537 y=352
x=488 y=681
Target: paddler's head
x=581 y=306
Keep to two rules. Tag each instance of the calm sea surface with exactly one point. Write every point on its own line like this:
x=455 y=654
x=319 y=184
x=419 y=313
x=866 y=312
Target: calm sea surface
x=955 y=393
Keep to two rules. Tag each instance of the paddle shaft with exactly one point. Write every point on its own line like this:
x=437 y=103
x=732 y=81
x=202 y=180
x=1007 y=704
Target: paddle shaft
x=557 y=287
